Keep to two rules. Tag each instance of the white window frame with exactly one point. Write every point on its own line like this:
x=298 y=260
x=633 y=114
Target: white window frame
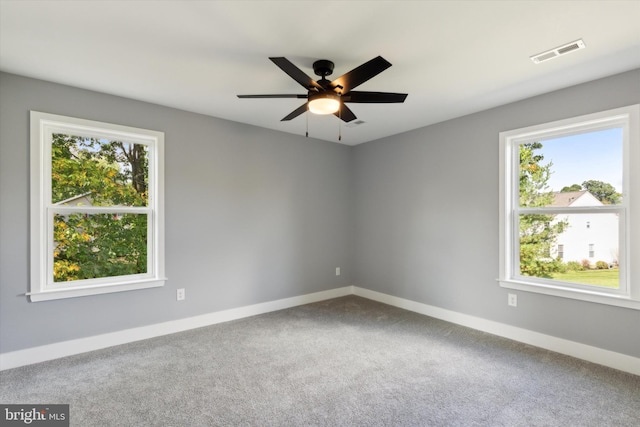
x=42 y=287
x=629 y=232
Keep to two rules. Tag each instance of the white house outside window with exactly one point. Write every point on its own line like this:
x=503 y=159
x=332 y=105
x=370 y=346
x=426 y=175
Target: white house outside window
x=96 y=207
x=557 y=177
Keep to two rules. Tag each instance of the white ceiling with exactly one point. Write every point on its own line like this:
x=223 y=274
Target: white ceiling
x=452 y=57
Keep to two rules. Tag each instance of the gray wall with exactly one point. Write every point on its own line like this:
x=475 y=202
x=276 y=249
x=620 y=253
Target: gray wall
x=255 y=215
x=426 y=209
x=251 y=216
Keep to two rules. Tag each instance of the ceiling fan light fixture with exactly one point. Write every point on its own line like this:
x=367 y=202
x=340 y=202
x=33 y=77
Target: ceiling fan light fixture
x=324 y=103
x=326 y=97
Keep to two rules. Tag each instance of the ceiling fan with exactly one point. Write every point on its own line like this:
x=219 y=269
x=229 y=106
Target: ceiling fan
x=328 y=97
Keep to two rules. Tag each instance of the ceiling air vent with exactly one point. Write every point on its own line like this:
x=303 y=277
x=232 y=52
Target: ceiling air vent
x=560 y=50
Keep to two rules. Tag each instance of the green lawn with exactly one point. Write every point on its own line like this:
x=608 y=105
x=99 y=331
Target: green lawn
x=606 y=278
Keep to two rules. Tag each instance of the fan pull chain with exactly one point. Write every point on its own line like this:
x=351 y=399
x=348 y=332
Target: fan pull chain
x=307 y=118
x=340 y=124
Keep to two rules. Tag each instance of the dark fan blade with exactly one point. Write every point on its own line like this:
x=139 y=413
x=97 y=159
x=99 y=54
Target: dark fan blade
x=296 y=73
x=274 y=96
x=345 y=114
x=295 y=113
x=373 y=97
x=361 y=74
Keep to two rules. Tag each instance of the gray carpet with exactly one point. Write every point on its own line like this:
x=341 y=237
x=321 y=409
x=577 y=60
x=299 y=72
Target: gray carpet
x=343 y=362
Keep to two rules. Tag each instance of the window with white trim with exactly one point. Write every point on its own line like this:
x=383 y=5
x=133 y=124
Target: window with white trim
x=96 y=208
x=554 y=178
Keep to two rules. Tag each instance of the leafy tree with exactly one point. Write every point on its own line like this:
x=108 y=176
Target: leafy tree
x=568 y=189
x=107 y=173
x=538 y=232
x=603 y=191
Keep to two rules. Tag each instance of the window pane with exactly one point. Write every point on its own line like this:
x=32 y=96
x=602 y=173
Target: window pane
x=576 y=170
x=100 y=245
x=576 y=248
x=97 y=172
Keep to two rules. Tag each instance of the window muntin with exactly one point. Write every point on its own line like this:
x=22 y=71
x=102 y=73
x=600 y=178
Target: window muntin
x=97 y=207
x=551 y=212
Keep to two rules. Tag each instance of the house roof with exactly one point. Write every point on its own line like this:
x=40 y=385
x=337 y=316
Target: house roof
x=567 y=198
x=453 y=58
x=81 y=199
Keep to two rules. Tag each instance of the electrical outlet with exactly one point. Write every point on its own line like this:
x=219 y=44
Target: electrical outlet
x=513 y=300
x=180 y=295
x=337 y=271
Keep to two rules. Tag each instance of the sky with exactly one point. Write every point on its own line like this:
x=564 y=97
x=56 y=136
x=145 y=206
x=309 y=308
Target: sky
x=588 y=156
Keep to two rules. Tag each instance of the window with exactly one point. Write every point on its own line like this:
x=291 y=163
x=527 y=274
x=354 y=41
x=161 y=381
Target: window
x=96 y=208
x=556 y=177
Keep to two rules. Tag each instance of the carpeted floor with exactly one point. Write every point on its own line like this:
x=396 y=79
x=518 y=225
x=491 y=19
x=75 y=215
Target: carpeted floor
x=343 y=362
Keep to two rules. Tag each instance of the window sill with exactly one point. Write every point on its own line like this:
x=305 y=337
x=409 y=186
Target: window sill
x=581 y=295
x=74 y=292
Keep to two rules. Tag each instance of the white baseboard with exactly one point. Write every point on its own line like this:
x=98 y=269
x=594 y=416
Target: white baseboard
x=43 y=353
x=589 y=353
